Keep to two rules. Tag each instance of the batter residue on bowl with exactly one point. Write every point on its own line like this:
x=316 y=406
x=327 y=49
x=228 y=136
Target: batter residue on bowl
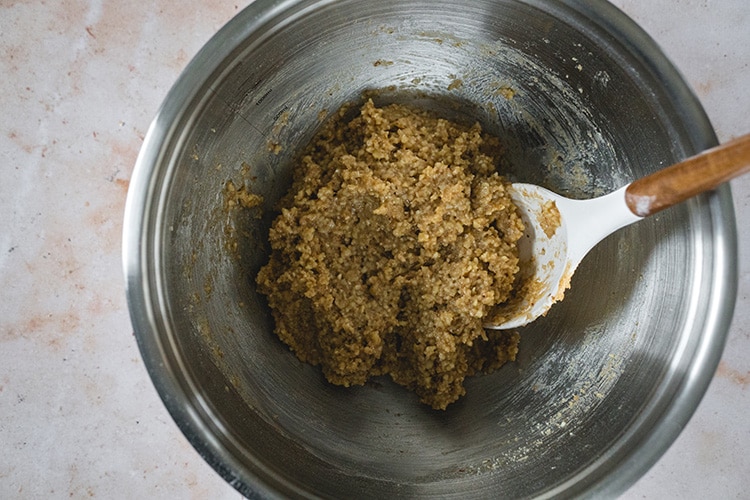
x=396 y=239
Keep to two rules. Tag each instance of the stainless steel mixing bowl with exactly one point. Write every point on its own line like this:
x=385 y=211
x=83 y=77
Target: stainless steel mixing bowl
x=584 y=101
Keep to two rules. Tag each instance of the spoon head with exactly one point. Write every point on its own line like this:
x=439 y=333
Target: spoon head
x=545 y=267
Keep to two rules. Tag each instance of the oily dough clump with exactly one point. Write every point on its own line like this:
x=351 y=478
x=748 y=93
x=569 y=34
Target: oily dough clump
x=396 y=239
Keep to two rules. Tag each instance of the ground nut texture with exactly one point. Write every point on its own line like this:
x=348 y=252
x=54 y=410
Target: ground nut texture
x=395 y=240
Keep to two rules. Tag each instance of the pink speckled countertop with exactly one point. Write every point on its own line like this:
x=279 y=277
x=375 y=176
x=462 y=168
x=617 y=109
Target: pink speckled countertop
x=81 y=81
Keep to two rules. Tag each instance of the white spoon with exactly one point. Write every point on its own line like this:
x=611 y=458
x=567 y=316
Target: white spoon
x=561 y=231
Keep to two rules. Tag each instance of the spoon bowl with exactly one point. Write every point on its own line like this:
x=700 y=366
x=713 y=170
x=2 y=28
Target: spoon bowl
x=560 y=231
x=558 y=234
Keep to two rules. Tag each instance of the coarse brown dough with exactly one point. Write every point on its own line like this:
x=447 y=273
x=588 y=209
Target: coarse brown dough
x=396 y=239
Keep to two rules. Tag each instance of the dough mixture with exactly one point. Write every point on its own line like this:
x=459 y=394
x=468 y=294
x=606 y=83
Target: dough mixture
x=395 y=241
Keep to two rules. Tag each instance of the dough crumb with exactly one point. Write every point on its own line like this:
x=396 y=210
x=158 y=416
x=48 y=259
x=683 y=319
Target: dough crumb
x=549 y=218
x=234 y=196
x=507 y=92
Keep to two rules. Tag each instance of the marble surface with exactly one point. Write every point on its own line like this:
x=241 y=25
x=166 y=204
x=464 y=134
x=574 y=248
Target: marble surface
x=81 y=81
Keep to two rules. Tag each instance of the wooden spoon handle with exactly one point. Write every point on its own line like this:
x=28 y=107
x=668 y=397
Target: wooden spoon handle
x=688 y=178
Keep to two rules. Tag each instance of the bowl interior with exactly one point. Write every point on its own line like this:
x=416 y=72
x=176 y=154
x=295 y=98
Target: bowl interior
x=581 y=112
